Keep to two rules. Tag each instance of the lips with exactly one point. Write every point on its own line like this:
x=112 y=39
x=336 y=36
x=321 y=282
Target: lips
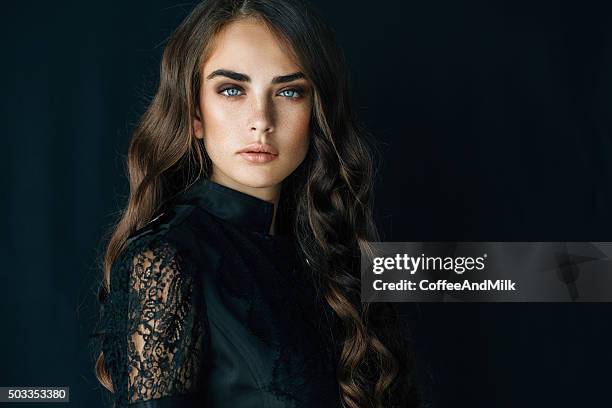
x=260 y=148
x=258 y=157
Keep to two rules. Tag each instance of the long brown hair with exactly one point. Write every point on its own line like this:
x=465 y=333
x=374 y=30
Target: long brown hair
x=332 y=221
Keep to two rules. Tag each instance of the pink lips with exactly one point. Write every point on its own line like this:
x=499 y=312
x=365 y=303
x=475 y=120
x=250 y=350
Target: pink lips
x=258 y=153
x=258 y=157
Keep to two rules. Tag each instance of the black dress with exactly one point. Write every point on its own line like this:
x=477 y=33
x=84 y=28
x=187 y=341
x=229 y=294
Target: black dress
x=206 y=309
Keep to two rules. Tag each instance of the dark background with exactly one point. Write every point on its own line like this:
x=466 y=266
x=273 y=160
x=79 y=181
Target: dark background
x=493 y=121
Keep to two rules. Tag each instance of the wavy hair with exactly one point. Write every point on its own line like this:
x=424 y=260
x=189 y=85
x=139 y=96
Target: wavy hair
x=332 y=222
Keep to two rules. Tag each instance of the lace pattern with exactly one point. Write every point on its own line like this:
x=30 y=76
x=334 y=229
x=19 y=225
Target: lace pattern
x=158 y=351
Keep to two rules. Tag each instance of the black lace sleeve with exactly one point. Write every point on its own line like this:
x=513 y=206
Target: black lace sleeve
x=156 y=329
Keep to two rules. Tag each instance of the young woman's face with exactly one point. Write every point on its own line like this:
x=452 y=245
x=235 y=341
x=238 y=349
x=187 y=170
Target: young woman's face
x=252 y=96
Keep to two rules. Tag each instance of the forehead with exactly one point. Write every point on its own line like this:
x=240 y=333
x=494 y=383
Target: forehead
x=250 y=47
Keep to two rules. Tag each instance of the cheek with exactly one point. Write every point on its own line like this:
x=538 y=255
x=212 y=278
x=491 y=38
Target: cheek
x=298 y=126
x=219 y=124
x=217 y=118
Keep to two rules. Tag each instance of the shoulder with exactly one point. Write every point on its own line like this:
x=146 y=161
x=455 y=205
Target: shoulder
x=180 y=234
x=157 y=242
x=163 y=225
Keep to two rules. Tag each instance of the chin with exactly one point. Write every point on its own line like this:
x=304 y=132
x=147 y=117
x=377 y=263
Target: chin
x=257 y=179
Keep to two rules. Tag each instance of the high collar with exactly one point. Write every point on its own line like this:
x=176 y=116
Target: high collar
x=243 y=210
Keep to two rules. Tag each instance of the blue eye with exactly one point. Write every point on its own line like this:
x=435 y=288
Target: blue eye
x=231 y=94
x=296 y=93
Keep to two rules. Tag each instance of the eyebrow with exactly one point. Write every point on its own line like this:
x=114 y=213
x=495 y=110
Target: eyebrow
x=237 y=76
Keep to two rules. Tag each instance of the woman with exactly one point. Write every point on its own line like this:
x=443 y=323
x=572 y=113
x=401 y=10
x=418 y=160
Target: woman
x=232 y=277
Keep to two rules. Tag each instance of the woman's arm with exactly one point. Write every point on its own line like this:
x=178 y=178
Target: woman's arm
x=157 y=360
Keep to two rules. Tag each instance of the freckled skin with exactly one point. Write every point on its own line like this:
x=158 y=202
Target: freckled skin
x=255 y=112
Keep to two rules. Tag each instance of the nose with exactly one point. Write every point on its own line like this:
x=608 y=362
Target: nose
x=262 y=118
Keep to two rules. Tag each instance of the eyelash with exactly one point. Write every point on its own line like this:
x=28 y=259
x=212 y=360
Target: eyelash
x=299 y=91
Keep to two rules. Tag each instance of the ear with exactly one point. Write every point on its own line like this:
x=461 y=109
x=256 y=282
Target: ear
x=198 y=129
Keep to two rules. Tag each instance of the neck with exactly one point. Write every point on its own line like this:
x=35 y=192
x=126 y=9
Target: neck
x=270 y=194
